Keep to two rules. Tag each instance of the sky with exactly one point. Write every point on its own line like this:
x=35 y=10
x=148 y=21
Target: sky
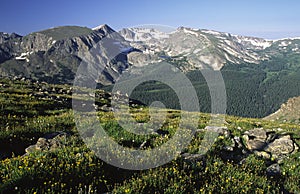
x=271 y=19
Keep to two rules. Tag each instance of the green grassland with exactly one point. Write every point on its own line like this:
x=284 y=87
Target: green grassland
x=30 y=110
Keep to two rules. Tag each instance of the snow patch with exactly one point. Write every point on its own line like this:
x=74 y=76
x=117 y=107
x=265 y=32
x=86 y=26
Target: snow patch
x=212 y=32
x=98 y=27
x=190 y=32
x=257 y=42
x=197 y=51
x=23 y=57
x=295 y=49
x=146 y=34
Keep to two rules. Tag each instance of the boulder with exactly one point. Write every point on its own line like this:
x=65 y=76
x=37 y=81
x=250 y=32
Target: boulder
x=220 y=130
x=258 y=133
x=255 y=139
x=283 y=145
x=262 y=154
x=50 y=142
x=273 y=170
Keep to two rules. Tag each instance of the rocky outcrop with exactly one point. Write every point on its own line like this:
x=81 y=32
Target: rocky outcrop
x=281 y=146
x=48 y=143
x=255 y=139
x=288 y=112
x=269 y=143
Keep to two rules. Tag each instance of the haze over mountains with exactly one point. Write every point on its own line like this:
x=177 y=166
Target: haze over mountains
x=259 y=74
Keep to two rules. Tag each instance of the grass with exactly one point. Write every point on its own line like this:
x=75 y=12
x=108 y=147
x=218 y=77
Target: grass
x=74 y=168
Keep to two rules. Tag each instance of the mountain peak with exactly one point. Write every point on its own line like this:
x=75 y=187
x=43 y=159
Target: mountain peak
x=104 y=28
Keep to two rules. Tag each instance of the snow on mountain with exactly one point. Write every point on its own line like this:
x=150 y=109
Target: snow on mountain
x=202 y=48
x=294 y=38
x=142 y=34
x=257 y=43
x=187 y=48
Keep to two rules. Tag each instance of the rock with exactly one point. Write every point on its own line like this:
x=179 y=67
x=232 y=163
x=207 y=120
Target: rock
x=296 y=148
x=50 y=142
x=228 y=148
x=199 y=131
x=221 y=130
x=238 y=142
x=41 y=144
x=258 y=133
x=31 y=149
x=192 y=157
x=283 y=145
x=55 y=135
x=255 y=144
x=266 y=144
x=273 y=170
x=271 y=136
x=262 y=154
x=255 y=139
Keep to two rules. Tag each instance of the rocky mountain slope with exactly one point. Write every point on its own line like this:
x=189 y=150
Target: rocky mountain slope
x=288 y=112
x=54 y=55
x=200 y=49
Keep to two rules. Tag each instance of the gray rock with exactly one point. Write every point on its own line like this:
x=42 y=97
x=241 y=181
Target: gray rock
x=256 y=144
x=262 y=154
x=221 y=130
x=271 y=137
x=238 y=142
x=31 y=149
x=50 y=142
x=283 y=145
x=273 y=170
x=229 y=148
x=192 y=157
x=255 y=139
x=258 y=133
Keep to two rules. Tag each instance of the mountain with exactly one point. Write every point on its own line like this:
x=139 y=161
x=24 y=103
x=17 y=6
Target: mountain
x=288 y=112
x=259 y=74
x=200 y=49
x=53 y=55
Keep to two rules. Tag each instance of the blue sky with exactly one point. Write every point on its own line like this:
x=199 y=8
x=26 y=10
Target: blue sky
x=263 y=18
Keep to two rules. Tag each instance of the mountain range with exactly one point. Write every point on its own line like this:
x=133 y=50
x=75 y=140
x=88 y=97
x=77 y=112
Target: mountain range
x=259 y=74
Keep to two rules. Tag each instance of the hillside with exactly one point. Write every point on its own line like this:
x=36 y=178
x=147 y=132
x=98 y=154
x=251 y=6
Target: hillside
x=42 y=150
x=288 y=112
